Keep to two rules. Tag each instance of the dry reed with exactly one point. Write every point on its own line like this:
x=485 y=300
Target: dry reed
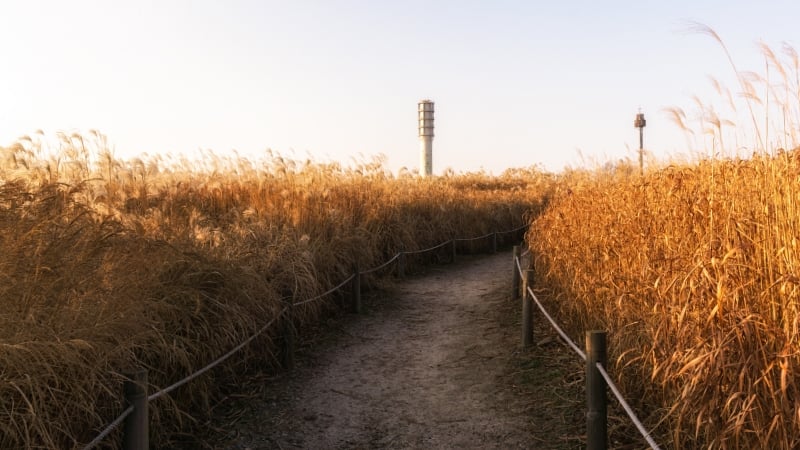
x=107 y=265
x=694 y=269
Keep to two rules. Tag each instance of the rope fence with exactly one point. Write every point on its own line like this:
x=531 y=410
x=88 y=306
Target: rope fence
x=426 y=250
x=558 y=329
x=111 y=427
x=597 y=379
x=214 y=363
x=520 y=228
x=473 y=239
x=328 y=292
x=386 y=264
x=627 y=407
x=134 y=417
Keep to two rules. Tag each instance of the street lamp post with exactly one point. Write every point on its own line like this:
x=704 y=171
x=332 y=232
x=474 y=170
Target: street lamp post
x=640 y=123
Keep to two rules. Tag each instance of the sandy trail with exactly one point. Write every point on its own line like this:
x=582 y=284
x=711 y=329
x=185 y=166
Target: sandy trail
x=426 y=366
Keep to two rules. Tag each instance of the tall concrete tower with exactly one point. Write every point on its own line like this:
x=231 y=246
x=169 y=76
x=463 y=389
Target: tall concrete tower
x=425 y=116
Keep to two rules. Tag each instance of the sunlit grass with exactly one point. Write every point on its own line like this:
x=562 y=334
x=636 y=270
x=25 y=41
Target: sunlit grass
x=167 y=263
x=694 y=269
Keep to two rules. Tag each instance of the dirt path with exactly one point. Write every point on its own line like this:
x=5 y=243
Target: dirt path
x=433 y=363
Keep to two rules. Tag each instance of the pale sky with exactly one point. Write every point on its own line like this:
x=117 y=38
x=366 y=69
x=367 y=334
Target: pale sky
x=515 y=83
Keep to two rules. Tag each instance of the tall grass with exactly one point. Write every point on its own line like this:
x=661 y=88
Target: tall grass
x=695 y=271
x=166 y=263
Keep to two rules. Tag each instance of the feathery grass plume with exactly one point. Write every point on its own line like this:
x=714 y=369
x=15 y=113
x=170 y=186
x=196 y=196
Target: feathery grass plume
x=701 y=28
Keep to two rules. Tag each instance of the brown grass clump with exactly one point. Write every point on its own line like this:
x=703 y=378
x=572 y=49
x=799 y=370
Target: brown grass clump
x=106 y=265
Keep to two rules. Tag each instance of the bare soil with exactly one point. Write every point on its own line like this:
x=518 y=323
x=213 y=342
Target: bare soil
x=434 y=362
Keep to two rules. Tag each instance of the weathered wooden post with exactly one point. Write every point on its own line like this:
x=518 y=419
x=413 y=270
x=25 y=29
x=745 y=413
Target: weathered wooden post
x=527 y=309
x=356 y=294
x=136 y=432
x=515 y=280
x=289 y=332
x=494 y=242
x=596 y=407
x=401 y=265
x=453 y=251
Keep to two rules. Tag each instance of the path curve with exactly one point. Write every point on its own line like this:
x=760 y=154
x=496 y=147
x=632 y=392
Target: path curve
x=425 y=367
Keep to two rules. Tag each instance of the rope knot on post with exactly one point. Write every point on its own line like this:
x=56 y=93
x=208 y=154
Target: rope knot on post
x=401 y=265
x=289 y=331
x=356 y=294
x=136 y=432
x=596 y=402
x=515 y=275
x=527 y=309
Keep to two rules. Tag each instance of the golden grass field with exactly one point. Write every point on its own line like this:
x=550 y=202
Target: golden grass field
x=694 y=268
x=107 y=265
x=697 y=285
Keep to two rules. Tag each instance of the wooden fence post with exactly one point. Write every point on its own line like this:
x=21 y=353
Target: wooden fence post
x=527 y=309
x=288 y=333
x=494 y=242
x=136 y=433
x=596 y=407
x=453 y=251
x=401 y=265
x=515 y=280
x=356 y=294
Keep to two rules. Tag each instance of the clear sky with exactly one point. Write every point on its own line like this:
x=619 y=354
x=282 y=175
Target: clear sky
x=516 y=83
